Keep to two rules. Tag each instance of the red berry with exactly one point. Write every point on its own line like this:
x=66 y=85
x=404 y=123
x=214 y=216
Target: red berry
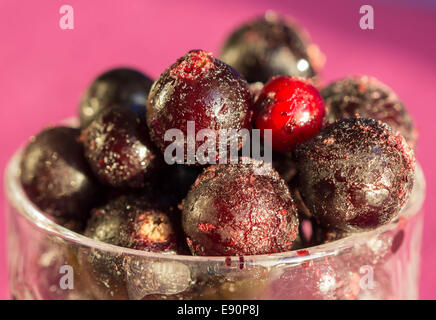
x=292 y=108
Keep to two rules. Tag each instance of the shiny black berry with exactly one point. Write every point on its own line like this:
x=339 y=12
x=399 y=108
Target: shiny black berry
x=57 y=178
x=269 y=46
x=231 y=210
x=366 y=97
x=121 y=86
x=356 y=174
x=118 y=148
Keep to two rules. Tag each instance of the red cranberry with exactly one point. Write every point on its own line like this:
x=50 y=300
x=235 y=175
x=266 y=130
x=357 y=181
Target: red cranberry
x=121 y=86
x=198 y=88
x=57 y=178
x=118 y=148
x=292 y=108
x=368 y=98
x=356 y=174
x=232 y=211
x=270 y=46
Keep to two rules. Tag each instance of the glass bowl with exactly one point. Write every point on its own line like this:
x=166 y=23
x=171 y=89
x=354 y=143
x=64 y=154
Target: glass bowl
x=48 y=261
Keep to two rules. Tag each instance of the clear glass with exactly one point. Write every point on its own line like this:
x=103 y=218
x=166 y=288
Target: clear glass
x=379 y=264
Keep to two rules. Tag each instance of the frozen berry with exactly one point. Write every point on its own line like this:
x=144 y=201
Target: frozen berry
x=311 y=233
x=133 y=221
x=292 y=108
x=118 y=148
x=356 y=174
x=121 y=86
x=366 y=97
x=231 y=210
x=201 y=89
x=270 y=46
x=56 y=176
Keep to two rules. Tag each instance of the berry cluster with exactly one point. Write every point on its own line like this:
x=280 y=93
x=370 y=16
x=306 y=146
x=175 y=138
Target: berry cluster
x=342 y=157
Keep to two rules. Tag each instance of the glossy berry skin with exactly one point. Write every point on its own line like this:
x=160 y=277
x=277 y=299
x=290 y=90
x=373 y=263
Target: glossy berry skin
x=136 y=221
x=366 y=97
x=356 y=174
x=199 y=88
x=56 y=176
x=118 y=148
x=292 y=108
x=269 y=46
x=230 y=210
x=121 y=86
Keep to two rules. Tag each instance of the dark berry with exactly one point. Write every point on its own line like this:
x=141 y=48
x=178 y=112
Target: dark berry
x=356 y=174
x=174 y=181
x=118 y=148
x=285 y=165
x=121 y=86
x=366 y=97
x=202 y=89
x=231 y=210
x=270 y=46
x=292 y=108
x=133 y=221
x=311 y=232
x=57 y=178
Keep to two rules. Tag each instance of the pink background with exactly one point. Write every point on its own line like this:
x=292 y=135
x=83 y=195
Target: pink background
x=45 y=69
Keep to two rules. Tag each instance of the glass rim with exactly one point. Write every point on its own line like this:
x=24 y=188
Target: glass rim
x=16 y=196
